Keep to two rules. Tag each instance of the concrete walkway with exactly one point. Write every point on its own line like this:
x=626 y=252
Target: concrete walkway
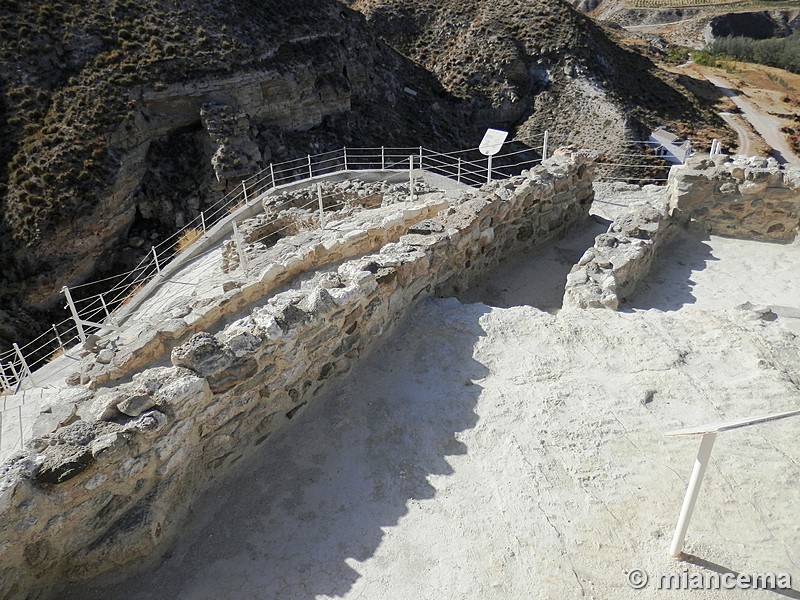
x=503 y=454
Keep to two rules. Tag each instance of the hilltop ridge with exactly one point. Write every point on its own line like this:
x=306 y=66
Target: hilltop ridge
x=540 y=64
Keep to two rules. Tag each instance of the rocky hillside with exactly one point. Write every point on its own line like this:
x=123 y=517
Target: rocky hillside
x=538 y=64
x=105 y=111
x=122 y=119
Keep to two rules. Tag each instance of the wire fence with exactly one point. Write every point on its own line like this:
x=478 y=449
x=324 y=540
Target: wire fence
x=93 y=305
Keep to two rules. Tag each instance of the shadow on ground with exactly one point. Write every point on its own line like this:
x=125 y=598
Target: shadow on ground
x=716 y=568
x=536 y=278
x=669 y=284
x=297 y=519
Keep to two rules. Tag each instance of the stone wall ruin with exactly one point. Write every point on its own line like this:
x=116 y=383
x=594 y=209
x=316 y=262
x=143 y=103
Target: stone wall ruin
x=112 y=488
x=749 y=198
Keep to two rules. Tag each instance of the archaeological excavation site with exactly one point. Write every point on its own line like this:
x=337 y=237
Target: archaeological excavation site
x=388 y=383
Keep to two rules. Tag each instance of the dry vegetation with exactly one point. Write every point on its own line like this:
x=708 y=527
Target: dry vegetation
x=187 y=238
x=70 y=72
x=726 y=4
x=503 y=54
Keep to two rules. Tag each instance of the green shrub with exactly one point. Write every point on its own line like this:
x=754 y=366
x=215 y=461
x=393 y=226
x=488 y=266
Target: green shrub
x=702 y=57
x=677 y=55
x=783 y=53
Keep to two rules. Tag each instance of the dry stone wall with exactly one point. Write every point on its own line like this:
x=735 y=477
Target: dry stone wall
x=110 y=487
x=270 y=268
x=751 y=198
x=609 y=272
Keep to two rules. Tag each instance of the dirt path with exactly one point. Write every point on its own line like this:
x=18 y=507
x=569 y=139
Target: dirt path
x=745 y=140
x=768 y=127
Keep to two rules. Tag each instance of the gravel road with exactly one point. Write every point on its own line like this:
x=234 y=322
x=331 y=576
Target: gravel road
x=768 y=127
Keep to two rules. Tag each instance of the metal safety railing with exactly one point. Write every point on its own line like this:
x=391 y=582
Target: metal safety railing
x=93 y=305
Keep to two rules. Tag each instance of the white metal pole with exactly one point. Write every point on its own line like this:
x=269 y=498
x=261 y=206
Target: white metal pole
x=73 y=310
x=489 y=169
x=310 y=174
x=383 y=158
x=155 y=256
x=103 y=302
x=58 y=337
x=411 y=175
x=3 y=378
x=420 y=157
x=458 y=176
x=25 y=367
x=544 y=145
x=14 y=372
x=345 y=157
x=239 y=248
x=272 y=174
x=321 y=207
x=203 y=221
x=244 y=191
x=692 y=491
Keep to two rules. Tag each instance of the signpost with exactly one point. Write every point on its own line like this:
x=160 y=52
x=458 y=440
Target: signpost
x=490 y=145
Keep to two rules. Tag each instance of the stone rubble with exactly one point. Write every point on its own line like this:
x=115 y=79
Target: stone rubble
x=608 y=272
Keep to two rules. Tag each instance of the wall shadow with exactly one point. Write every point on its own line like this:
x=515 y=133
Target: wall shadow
x=296 y=519
x=536 y=278
x=669 y=284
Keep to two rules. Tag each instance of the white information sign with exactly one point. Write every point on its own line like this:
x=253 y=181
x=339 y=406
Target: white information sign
x=492 y=142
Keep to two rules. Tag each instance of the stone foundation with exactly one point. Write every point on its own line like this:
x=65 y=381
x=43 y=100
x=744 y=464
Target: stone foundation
x=609 y=272
x=113 y=486
x=749 y=198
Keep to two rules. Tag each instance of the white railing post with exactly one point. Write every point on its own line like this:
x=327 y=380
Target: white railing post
x=489 y=169
x=103 y=302
x=14 y=372
x=310 y=174
x=420 y=157
x=272 y=174
x=344 y=150
x=58 y=337
x=73 y=310
x=239 y=248
x=3 y=378
x=321 y=207
x=203 y=221
x=383 y=158
x=458 y=174
x=25 y=367
x=411 y=175
x=244 y=192
x=155 y=257
x=700 y=464
x=544 y=144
